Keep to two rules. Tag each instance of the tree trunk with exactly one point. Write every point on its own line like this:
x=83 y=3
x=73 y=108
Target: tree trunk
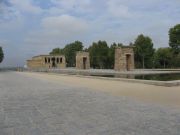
x=143 y=62
x=164 y=64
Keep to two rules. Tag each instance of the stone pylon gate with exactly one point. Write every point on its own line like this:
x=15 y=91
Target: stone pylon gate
x=82 y=60
x=124 y=58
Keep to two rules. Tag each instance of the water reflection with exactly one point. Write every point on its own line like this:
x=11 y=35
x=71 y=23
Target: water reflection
x=158 y=77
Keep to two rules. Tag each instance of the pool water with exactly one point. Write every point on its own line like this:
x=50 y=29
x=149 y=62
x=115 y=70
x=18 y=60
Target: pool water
x=160 y=77
x=157 y=77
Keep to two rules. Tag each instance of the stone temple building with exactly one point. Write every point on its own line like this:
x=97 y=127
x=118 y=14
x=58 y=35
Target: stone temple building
x=82 y=60
x=124 y=58
x=47 y=61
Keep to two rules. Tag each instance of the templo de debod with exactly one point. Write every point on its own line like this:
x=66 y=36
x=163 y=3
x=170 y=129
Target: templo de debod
x=82 y=60
x=124 y=60
x=47 y=61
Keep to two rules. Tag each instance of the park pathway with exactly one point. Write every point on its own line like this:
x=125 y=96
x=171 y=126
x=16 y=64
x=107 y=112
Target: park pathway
x=32 y=106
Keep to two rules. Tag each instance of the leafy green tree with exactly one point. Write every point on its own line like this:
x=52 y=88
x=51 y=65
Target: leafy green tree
x=99 y=53
x=174 y=39
x=70 y=52
x=111 y=55
x=144 y=52
x=163 y=58
x=1 y=54
x=176 y=61
x=57 y=51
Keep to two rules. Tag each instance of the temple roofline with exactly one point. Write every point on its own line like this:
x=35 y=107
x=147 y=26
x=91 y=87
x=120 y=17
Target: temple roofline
x=47 y=55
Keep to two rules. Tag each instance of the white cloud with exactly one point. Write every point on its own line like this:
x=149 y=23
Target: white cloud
x=77 y=6
x=69 y=4
x=7 y=13
x=12 y=25
x=56 y=30
x=55 y=11
x=65 y=23
x=117 y=9
x=26 y=6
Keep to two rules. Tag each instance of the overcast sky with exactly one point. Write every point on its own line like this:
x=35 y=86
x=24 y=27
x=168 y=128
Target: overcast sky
x=33 y=27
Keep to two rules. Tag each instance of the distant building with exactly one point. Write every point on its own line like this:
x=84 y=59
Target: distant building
x=124 y=58
x=82 y=60
x=47 y=61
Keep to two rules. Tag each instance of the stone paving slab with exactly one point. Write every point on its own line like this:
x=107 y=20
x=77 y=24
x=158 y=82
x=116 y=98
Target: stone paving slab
x=31 y=106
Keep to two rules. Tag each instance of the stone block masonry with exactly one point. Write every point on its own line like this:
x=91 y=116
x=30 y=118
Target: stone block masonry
x=82 y=60
x=47 y=61
x=124 y=58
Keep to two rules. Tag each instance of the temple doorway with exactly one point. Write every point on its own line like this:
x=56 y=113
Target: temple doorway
x=53 y=62
x=128 y=62
x=84 y=62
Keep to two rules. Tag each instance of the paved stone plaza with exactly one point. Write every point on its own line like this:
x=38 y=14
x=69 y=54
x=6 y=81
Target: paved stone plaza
x=30 y=106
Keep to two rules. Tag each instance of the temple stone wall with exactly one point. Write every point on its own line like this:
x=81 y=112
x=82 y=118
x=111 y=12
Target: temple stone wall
x=82 y=60
x=34 y=64
x=124 y=59
x=47 y=61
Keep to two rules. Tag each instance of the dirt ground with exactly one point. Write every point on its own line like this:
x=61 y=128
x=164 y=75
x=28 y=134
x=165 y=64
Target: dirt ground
x=148 y=93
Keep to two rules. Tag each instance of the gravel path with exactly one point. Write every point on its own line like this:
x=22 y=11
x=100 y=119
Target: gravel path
x=30 y=106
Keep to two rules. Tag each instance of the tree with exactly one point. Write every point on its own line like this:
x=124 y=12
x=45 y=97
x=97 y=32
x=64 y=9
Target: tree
x=163 y=57
x=176 y=60
x=57 y=51
x=70 y=52
x=144 y=52
x=1 y=54
x=99 y=53
x=111 y=55
x=174 y=39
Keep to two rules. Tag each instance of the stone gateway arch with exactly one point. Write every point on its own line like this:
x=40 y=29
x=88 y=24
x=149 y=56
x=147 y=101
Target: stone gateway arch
x=82 y=60
x=124 y=58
